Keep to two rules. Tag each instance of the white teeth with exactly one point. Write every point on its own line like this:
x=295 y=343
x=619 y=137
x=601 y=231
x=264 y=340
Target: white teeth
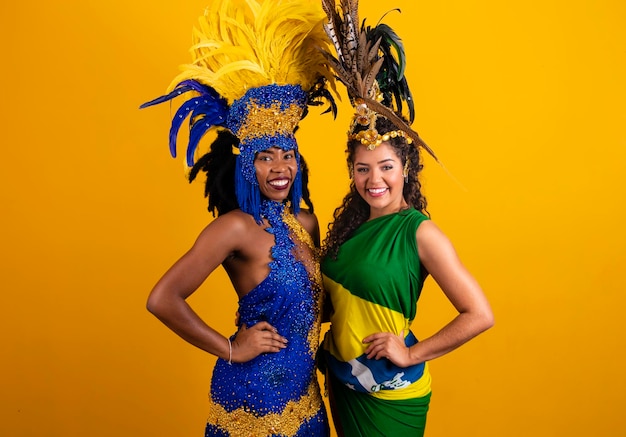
x=377 y=190
x=279 y=183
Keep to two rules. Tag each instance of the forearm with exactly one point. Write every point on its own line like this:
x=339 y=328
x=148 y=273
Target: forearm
x=459 y=331
x=178 y=316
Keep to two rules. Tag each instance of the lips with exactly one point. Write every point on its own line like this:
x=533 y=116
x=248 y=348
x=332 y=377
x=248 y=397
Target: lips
x=279 y=183
x=376 y=191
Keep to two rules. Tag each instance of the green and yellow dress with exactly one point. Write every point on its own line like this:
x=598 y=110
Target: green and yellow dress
x=374 y=284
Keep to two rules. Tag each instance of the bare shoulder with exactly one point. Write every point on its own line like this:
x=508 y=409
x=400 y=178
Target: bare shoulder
x=231 y=229
x=432 y=242
x=236 y=219
x=427 y=230
x=309 y=222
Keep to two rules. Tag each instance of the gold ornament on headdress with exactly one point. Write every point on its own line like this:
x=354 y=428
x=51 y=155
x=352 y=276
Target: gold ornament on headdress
x=267 y=121
x=370 y=137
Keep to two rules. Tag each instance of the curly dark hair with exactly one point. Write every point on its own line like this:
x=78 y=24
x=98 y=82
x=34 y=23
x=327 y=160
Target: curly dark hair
x=219 y=166
x=354 y=211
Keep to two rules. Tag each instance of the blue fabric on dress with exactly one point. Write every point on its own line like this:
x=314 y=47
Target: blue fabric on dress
x=275 y=393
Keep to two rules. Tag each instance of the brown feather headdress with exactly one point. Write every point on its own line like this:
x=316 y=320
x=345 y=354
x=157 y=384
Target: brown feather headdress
x=373 y=76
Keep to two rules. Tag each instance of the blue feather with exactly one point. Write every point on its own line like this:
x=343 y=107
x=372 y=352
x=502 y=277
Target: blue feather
x=198 y=129
x=185 y=110
x=205 y=111
x=175 y=93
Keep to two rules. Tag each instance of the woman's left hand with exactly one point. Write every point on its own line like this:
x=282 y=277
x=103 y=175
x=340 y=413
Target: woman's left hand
x=388 y=345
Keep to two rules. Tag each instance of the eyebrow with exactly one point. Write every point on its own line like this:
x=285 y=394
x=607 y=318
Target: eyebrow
x=274 y=150
x=379 y=162
x=271 y=150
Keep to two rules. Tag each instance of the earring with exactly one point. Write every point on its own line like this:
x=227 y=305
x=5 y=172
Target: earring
x=405 y=171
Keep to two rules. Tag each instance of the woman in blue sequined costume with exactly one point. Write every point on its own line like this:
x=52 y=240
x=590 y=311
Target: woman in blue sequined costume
x=265 y=383
x=256 y=69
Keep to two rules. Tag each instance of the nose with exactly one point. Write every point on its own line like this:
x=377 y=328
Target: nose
x=375 y=175
x=279 y=165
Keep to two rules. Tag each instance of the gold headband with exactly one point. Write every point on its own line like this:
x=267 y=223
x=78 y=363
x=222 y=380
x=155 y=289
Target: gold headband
x=370 y=137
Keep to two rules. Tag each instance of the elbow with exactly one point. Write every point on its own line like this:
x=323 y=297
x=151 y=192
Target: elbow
x=151 y=306
x=487 y=320
x=481 y=320
x=154 y=304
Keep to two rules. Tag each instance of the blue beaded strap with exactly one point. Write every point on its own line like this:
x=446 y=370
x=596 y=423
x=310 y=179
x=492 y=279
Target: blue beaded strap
x=273 y=213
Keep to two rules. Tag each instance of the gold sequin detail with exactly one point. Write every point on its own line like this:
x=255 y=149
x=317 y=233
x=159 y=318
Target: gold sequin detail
x=270 y=121
x=298 y=231
x=240 y=423
x=310 y=259
x=371 y=138
x=364 y=116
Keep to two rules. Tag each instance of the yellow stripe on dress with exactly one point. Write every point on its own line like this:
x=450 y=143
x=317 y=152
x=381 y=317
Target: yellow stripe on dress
x=355 y=318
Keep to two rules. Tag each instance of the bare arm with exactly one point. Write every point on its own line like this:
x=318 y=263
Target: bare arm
x=475 y=316
x=167 y=300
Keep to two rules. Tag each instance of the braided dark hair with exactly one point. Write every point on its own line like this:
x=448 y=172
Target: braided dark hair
x=219 y=166
x=354 y=210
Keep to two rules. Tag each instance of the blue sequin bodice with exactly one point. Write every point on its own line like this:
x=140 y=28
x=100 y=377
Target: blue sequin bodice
x=275 y=393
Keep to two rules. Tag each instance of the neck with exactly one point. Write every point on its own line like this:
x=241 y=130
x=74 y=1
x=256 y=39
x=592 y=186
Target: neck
x=375 y=213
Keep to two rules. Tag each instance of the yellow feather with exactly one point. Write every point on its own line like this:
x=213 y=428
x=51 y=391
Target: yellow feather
x=241 y=44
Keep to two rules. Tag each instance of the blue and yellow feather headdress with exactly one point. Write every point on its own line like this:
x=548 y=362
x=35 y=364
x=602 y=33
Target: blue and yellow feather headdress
x=256 y=65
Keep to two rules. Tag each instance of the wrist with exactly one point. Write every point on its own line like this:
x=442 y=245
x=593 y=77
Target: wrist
x=414 y=355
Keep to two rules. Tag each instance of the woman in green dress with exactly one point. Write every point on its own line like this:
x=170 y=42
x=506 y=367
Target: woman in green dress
x=380 y=249
x=382 y=246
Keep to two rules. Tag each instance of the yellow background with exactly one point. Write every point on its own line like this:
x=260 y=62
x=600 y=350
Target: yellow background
x=524 y=104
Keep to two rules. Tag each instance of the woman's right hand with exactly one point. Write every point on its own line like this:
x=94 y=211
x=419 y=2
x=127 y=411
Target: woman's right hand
x=256 y=340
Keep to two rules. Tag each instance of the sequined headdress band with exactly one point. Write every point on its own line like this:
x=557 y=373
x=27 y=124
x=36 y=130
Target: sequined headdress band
x=370 y=136
x=266 y=117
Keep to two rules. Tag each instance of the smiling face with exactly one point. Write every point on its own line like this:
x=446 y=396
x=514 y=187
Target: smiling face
x=379 y=180
x=276 y=170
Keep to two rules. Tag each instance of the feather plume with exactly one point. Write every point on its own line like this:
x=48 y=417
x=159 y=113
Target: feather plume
x=238 y=45
x=205 y=111
x=370 y=62
x=256 y=65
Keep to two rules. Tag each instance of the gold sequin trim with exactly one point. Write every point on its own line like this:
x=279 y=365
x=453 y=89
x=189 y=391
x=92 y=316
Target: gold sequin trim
x=241 y=423
x=371 y=138
x=271 y=121
x=298 y=230
x=364 y=116
x=312 y=265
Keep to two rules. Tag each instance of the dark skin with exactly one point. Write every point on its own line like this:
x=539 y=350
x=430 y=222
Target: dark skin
x=243 y=247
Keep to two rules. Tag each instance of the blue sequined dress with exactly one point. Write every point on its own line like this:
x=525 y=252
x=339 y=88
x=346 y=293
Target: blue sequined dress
x=276 y=394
